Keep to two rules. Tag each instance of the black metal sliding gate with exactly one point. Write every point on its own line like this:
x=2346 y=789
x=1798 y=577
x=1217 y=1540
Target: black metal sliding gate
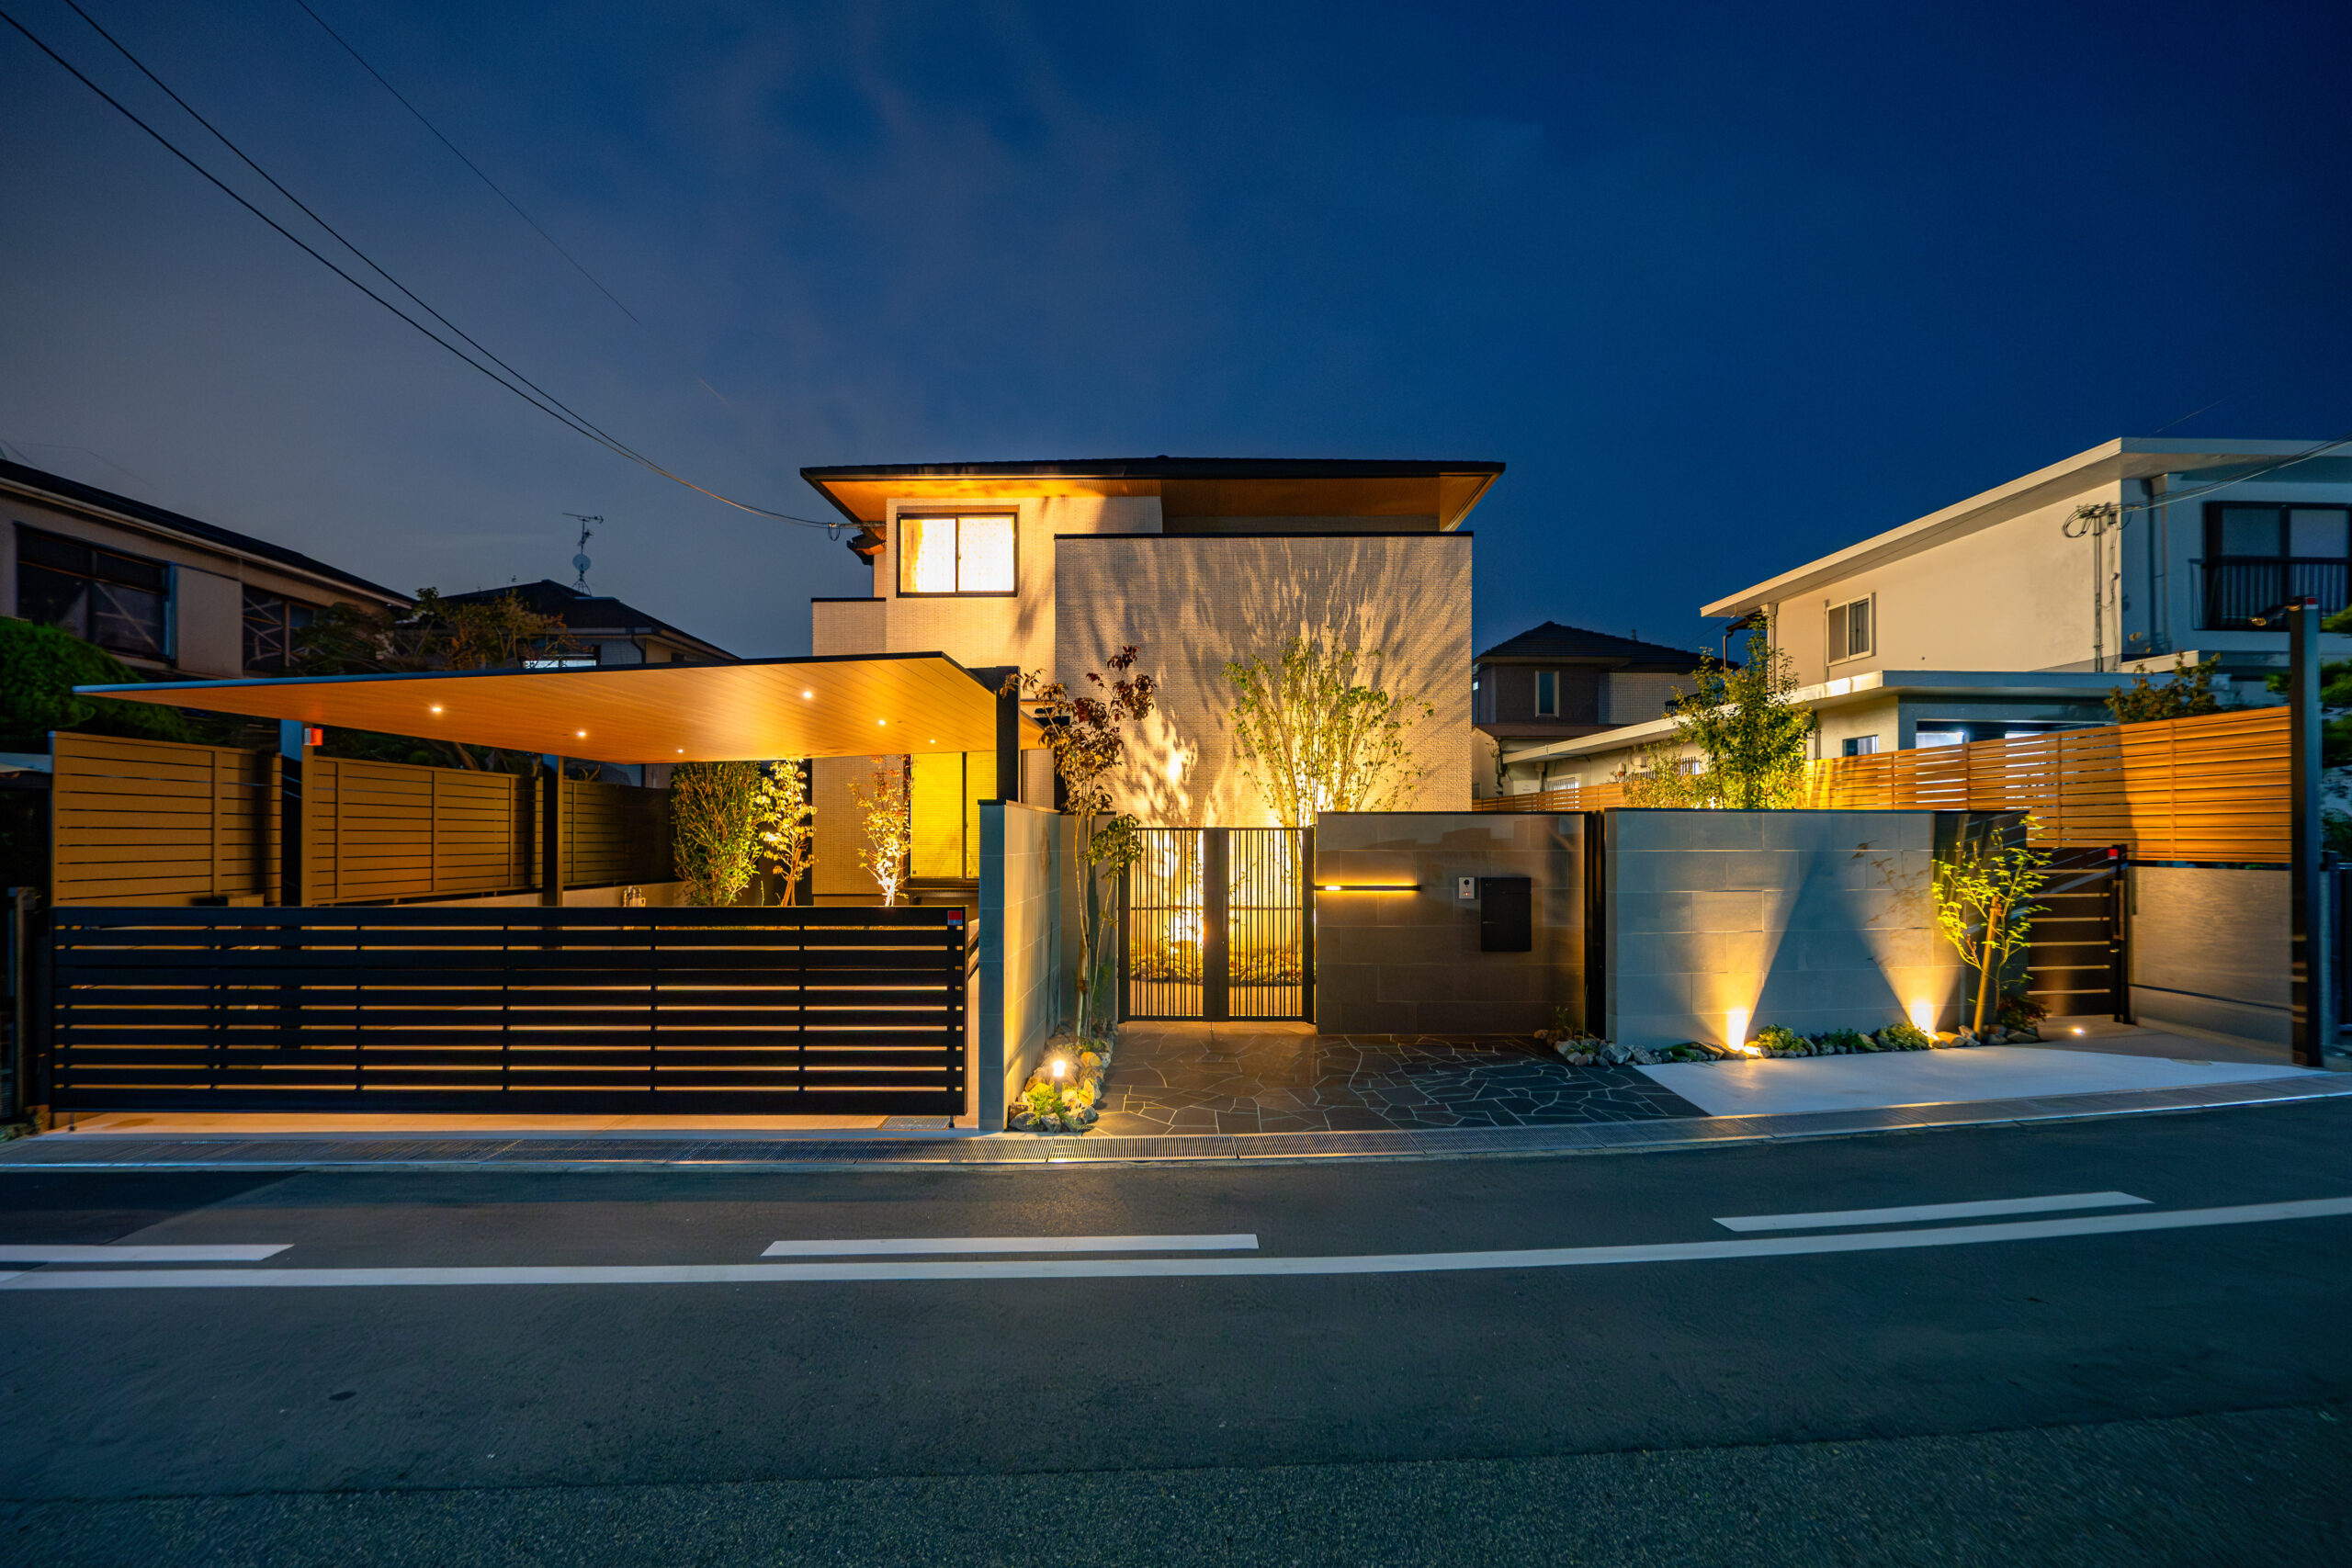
x=693 y=1012
x=1217 y=923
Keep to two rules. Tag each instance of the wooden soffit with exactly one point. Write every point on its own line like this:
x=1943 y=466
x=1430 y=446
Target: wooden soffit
x=869 y=500
x=866 y=705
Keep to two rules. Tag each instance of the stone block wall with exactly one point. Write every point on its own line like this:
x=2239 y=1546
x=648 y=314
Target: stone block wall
x=1409 y=963
x=1811 y=919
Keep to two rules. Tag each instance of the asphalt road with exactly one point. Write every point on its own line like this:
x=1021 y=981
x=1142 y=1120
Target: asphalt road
x=2033 y=1388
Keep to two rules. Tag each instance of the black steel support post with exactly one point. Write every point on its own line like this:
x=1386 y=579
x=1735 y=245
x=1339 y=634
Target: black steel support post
x=1008 y=746
x=2314 y=1019
x=551 y=866
x=291 y=738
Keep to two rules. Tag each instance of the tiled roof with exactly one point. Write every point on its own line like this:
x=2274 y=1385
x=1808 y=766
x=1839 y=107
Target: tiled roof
x=1553 y=640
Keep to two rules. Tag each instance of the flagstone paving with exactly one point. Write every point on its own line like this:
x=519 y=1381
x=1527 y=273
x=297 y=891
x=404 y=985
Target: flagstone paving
x=1276 y=1078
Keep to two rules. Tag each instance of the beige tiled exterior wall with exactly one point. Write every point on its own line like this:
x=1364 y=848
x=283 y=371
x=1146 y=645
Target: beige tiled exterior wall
x=1190 y=603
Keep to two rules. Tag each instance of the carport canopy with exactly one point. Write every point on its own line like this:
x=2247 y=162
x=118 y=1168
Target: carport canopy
x=864 y=704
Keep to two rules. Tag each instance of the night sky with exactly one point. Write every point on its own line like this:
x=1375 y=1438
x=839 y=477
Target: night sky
x=1726 y=286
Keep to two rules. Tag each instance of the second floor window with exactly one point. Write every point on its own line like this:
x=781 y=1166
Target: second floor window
x=1547 y=693
x=1850 y=631
x=121 y=602
x=271 y=624
x=2261 y=556
x=970 y=554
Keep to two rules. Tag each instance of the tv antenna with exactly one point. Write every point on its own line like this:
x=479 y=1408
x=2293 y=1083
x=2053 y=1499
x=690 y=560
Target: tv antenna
x=588 y=526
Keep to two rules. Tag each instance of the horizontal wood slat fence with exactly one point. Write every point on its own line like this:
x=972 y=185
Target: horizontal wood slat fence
x=2211 y=787
x=155 y=822
x=770 y=1011
x=615 y=833
x=373 y=832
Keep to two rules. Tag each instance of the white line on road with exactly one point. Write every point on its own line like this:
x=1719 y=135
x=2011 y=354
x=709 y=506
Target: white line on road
x=891 y=1247
x=1179 y=1268
x=37 y=1253
x=1836 y=1217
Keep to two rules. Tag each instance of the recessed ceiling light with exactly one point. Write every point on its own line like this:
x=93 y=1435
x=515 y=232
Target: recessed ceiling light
x=808 y=693
x=581 y=734
x=881 y=721
x=437 y=707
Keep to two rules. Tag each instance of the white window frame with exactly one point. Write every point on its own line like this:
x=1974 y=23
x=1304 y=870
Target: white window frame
x=1838 y=629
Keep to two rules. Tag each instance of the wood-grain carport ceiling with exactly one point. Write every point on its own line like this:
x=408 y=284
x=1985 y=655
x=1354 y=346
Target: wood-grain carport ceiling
x=882 y=705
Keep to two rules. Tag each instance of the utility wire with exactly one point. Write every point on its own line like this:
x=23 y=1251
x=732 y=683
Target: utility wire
x=340 y=239
x=461 y=158
x=551 y=407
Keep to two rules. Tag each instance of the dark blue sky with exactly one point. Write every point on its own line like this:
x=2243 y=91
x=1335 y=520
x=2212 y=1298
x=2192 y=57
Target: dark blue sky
x=1727 y=287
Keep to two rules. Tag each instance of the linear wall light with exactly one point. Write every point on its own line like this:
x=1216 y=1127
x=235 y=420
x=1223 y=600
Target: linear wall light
x=1367 y=887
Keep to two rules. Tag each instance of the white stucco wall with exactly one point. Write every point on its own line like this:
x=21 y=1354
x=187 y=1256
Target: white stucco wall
x=1191 y=603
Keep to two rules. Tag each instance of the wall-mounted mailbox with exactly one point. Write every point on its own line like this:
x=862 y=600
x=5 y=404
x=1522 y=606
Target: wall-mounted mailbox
x=1506 y=914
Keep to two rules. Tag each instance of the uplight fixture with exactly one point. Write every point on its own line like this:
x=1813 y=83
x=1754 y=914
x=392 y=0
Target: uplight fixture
x=1060 y=1068
x=1736 y=1027
x=1923 y=1017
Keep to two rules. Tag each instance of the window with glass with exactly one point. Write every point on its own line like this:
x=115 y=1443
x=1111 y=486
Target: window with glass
x=968 y=553
x=1850 y=629
x=1860 y=746
x=2261 y=556
x=120 y=601
x=271 y=627
x=1547 y=693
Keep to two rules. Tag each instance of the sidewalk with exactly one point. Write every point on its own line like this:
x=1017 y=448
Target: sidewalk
x=1225 y=1090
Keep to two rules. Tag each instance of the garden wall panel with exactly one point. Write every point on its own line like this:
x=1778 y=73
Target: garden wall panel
x=1024 y=862
x=2209 y=951
x=1812 y=919
x=1409 y=962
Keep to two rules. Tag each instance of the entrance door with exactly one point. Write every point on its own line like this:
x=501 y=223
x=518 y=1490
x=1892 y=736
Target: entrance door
x=1217 y=925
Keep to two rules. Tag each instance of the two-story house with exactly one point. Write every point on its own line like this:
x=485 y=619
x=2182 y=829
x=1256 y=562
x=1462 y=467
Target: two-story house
x=601 y=630
x=2018 y=609
x=1555 y=682
x=171 y=596
x=1053 y=566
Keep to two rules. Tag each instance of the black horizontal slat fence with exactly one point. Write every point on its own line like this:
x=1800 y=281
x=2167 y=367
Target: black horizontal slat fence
x=845 y=1012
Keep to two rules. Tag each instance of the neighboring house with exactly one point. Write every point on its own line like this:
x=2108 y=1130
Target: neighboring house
x=170 y=596
x=2016 y=610
x=603 y=629
x=1054 y=566
x=1557 y=682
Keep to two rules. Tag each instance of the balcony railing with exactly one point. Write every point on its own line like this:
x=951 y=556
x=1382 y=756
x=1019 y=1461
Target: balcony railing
x=2234 y=591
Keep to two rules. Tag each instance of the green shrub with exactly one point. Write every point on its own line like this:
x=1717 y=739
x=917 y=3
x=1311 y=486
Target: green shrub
x=1772 y=1037
x=1905 y=1037
x=39 y=667
x=2020 y=1011
x=1849 y=1039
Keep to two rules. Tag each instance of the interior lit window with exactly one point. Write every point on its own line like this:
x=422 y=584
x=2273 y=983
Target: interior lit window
x=957 y=555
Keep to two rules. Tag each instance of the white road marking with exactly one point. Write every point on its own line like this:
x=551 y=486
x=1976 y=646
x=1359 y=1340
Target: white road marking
x=1836 y=1217
x=888 y=1246
x=1178 y=1268
x=235 y=1253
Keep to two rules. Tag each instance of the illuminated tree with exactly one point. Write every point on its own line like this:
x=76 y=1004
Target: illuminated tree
x=1088 y=736
x=786 y=823
x=888 y=831
x=714 y=824
x=1750 y=733
x=1315 y=737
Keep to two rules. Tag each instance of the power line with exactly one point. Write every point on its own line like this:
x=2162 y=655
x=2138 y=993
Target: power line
x=461 y=158
x=552 y=407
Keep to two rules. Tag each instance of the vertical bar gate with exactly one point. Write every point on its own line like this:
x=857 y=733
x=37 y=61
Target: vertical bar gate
x=1217 y=923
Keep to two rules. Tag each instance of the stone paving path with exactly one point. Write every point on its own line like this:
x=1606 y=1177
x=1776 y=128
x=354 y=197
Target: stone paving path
x=1275 y=1078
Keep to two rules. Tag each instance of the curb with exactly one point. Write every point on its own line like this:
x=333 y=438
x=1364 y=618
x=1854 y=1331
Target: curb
x=293 y=1151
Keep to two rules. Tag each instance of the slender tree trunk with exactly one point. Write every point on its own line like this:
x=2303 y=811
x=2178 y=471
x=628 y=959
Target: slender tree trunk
x=1995 y=921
